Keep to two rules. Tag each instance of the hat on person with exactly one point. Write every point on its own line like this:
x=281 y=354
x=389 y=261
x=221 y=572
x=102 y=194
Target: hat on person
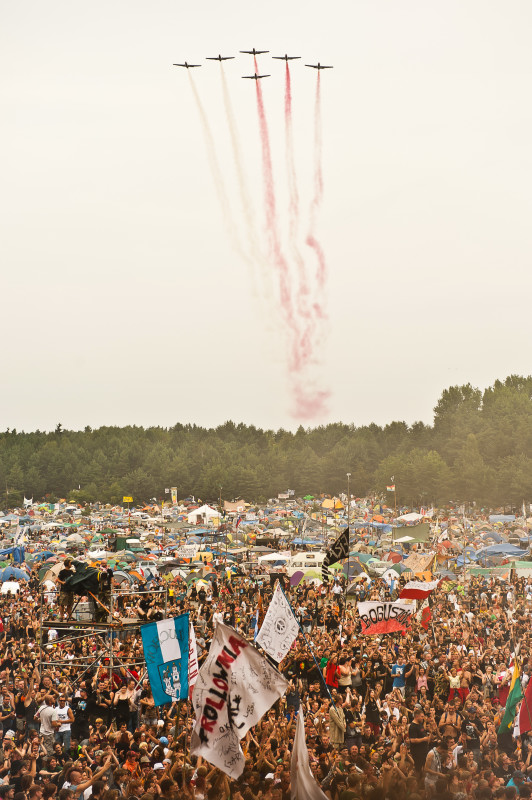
x=158 y=765
x=145 y=760
x=163 y=740
x=269 y=777
x=10 y=734
x=5 y=787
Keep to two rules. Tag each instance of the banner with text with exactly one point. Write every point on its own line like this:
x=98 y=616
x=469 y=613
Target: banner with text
x=235 y=687
x=379 y=617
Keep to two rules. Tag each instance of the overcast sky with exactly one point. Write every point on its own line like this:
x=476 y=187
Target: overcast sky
x=124 y=300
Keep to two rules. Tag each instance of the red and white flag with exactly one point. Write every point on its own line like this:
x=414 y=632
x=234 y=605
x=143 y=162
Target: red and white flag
x=379 y=617
x=192 y=660
x=418 y=590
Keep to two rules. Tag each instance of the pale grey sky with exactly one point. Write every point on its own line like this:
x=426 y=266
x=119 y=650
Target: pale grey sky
x=123 y=299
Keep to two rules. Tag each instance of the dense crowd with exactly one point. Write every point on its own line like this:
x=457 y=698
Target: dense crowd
x=400 y=716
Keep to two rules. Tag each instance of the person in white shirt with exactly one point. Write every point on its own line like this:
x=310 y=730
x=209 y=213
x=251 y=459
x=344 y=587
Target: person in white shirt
x=62 y=720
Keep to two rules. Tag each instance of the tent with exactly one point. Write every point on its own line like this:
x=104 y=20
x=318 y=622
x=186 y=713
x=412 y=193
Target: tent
x=202 y=515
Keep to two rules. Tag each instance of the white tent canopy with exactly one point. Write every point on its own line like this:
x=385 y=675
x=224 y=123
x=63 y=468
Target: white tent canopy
x=201 y=515
x=412 y=517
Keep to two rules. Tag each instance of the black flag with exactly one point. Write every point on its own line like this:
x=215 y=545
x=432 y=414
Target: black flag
x=338 y=551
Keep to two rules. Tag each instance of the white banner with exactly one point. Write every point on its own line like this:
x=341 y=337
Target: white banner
x=379 y=617
x=235 y=687
x=279 y=628
x=186 y=551
x=303 y=785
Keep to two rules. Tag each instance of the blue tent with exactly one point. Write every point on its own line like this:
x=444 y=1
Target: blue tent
x=13 y=574
x=503 y=549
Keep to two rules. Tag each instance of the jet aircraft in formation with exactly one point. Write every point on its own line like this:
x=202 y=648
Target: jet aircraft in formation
x=254 y=52
x=256 y=77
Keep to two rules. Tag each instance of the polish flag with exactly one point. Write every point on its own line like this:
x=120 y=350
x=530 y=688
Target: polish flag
x=418 y=590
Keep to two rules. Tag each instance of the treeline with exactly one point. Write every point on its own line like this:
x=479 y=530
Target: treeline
x=479 y=448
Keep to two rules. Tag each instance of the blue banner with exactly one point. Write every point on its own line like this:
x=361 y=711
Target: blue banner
x=166 y=645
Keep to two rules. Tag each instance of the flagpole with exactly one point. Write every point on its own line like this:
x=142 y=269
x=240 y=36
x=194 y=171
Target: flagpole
x=308 y=645
x=186 y=740
x=348 y=544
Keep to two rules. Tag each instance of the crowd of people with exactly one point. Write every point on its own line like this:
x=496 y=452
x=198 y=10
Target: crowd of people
x=400 y=716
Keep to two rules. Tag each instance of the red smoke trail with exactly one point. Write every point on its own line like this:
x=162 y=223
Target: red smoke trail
x=303 y=287
x=292 y=184
x=312 y=240
x=296 y=355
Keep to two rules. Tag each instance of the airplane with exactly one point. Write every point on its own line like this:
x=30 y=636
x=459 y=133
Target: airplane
x=188 y=66
x=317 y=66
x=219 y=58
x=254 y=52
x=286 y=58
x=256 y=77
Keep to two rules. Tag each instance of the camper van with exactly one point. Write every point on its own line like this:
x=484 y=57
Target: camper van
x=300 y=562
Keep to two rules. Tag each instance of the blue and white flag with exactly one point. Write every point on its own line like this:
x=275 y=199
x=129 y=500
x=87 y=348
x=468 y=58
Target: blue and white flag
x=166 y=649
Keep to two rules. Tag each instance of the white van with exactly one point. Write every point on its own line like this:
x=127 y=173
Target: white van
x=300 y=562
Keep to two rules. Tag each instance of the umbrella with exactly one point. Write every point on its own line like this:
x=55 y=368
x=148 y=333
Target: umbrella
x=295 y=579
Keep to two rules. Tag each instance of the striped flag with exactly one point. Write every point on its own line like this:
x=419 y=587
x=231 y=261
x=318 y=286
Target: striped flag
x=418 y=590
x=514 y=696
x=523 y=720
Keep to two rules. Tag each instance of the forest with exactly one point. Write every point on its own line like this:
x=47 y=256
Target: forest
x=478 y=450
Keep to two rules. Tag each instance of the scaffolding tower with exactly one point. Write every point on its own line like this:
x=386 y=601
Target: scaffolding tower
x=104 y=632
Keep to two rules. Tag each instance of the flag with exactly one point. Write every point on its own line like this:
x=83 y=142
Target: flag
x=259 y=617
x=377 y=616
x=27 y=502
x=338 y=551
x=391 y=488
x=279 y=628
x=515 y=694
x=303 y=785
x=523 y=720
x=192 y=660
x=239 y=520
x=418 y=590
x=425 y=615
x=235 y=687
x=166 y=649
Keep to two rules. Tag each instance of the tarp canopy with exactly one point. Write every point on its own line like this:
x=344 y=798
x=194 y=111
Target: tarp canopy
x=417 y=533
x=85 y=579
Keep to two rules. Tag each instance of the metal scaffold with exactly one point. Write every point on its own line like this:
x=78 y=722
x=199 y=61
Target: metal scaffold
x=105 y=629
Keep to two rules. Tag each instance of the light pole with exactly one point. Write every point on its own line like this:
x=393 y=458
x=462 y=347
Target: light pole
x=348 y=539
x=348 y=497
